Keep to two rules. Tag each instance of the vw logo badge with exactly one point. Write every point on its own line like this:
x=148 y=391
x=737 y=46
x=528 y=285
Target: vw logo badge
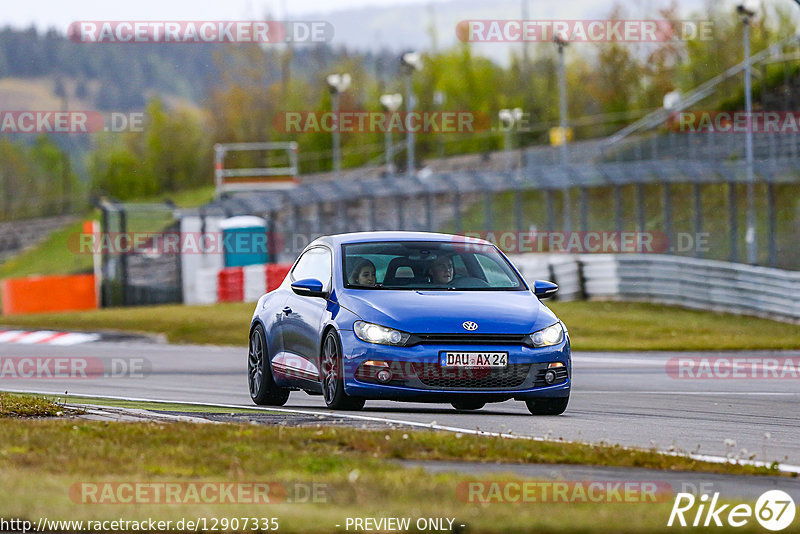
x=470 y=325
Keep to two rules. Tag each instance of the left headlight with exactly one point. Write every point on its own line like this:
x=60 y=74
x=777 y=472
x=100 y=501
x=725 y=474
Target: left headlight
x=552 y=335
x=374 y=333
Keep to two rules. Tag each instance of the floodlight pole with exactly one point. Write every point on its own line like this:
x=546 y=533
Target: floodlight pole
x=410 y=62
x=337 y=146
x=750 y=235
x=562 y=99
x=562 y=112
x=337 y=83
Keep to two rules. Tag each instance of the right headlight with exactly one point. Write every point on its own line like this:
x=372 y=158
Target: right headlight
x=375 y=333
x=552 y=335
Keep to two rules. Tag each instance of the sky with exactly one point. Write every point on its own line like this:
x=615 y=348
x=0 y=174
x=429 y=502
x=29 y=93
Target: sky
x=60 y=13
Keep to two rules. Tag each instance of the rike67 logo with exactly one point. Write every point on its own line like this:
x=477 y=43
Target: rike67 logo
x=774 y=510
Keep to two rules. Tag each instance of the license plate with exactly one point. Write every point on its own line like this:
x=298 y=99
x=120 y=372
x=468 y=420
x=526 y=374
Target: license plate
x=475 y=359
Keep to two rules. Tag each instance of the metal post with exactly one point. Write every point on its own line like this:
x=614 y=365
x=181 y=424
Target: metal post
x=668 y=215
x=373 y=213
x=618 y=207
x=410 y=132
x=584 y=203
x=566 y=208
x=772 y=228
x=551 y=218
x=401 y=220
x=488 y=213
x=640 y=207
x=337 y=150
x=750 y=235
x=389 y=151
x=562 y=101
x=698 y=216
x=457 y=210
x=429 y=210
x=733 y=213
x=123 y=257
x=518 y=209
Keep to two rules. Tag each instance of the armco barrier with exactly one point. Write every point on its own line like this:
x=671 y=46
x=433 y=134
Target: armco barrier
x=691 y=282
x=40 y=294
x=709 y=285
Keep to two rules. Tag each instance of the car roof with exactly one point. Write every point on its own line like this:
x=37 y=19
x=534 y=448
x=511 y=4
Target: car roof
x=365 y=237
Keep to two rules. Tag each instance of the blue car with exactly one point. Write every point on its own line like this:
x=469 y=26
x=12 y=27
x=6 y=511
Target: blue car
x=409 y=316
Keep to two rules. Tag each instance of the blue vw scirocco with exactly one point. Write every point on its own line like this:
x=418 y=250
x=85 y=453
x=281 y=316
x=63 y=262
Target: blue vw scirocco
x=409 y=316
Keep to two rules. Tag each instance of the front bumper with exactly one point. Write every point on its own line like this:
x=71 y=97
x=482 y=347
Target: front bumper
x=416 y=373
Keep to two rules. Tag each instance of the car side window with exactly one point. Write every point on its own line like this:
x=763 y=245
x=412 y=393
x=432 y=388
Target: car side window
x=495 y=274
x=314 y=263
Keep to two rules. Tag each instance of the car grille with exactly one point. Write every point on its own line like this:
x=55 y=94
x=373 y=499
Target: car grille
x=561 y=376
x=484 y=339
x=512 y=376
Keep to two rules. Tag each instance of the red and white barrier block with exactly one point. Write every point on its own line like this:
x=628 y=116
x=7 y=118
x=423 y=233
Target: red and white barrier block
x=239 y=284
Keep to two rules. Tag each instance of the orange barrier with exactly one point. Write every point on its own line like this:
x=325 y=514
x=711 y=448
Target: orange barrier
x=39 y=294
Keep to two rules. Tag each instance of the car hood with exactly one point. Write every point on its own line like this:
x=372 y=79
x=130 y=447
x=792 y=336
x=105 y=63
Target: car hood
x=444 y=312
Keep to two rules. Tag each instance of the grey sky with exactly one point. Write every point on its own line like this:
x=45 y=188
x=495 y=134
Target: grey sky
x=60 y=13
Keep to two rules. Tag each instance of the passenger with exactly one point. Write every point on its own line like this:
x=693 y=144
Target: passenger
x=363 y=274
x=441 y=270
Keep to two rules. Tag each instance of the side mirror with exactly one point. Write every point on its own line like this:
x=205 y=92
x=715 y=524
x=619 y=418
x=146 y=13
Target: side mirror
x=544 y=289
x=309 y=287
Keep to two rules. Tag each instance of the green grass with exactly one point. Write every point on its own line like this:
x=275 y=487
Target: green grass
x=54 y=255
x=47 y=462
x=611 y=326
x=189 y=198
x=16 y=405
x=159 y=406
x=57 y=254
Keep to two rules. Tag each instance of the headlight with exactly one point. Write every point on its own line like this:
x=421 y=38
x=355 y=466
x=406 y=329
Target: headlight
x=373 y=333
x=552 y=335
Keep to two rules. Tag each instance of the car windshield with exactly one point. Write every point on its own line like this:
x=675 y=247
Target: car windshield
x=428 y=265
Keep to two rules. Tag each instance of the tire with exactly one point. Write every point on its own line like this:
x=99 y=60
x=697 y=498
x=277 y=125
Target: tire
x=547 y=406
x=260 y=381
x=468 y=405
x=330 y=371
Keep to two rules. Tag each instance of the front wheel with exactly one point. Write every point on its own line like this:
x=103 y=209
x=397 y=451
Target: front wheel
x=263 y=389
x=547 y=406
x=332 y=376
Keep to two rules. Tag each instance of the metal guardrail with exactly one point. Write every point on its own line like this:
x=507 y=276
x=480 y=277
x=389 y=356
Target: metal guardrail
x=690 y=282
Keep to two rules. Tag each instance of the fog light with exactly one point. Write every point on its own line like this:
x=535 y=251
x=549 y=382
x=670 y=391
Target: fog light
x=550 y=377
x=555 y=364
x=384 y=375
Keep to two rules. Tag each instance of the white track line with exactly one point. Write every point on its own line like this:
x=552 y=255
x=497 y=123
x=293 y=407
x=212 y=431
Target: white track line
x=786 y=468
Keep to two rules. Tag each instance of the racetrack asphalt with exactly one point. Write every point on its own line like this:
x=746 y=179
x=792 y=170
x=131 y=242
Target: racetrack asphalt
x=617 y=398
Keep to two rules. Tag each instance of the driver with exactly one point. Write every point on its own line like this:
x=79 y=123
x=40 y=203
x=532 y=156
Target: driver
x=441 y=270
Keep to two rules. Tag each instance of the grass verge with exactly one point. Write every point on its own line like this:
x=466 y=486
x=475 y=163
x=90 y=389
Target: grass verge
x=593 y=326
x=59 y=469
x=15 y=405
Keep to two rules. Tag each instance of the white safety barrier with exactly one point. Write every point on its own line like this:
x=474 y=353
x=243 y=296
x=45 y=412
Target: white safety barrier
x=691 y=282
